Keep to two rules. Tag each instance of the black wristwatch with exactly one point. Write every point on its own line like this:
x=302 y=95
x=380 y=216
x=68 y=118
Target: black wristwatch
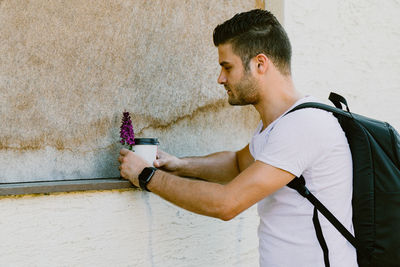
x=145 y=177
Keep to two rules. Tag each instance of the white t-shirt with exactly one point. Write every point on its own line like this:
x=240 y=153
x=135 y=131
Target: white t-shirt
x=308 y=142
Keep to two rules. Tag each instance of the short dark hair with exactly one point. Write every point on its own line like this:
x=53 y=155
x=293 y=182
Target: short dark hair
x=254 y=32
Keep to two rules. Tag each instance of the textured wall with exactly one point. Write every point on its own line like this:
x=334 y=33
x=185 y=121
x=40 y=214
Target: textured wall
x=120 y=228
x=67 y=71
x=351 y=47
x=69 y=68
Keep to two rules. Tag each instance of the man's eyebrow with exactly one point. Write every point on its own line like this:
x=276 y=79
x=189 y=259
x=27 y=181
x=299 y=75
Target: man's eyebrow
x=223 y=63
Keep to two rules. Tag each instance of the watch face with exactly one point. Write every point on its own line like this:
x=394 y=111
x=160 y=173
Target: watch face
x=145 y=177
x=146 y=174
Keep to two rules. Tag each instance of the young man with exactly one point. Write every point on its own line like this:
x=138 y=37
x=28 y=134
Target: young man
x=254 y=54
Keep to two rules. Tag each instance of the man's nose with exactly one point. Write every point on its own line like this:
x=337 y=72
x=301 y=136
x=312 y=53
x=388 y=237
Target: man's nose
x=221 y=78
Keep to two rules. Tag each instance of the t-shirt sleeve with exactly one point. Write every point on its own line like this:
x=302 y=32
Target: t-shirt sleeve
x=295 y=142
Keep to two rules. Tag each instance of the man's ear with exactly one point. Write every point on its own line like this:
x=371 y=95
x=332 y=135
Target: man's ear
x=262 y=62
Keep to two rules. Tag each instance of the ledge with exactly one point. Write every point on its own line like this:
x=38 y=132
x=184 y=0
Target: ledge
x=41 y=187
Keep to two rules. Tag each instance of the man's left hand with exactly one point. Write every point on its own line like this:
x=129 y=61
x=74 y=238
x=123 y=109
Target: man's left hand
x=131 y=165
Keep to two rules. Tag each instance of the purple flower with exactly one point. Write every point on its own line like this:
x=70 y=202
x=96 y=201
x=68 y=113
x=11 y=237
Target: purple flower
x=127 y=135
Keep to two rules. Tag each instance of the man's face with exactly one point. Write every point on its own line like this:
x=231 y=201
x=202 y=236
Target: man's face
x=240 y=84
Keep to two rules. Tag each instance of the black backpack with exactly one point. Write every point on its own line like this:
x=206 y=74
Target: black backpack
x=375 y=149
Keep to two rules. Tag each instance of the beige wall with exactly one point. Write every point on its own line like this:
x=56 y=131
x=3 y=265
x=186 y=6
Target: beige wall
x=67 y=71
x=69 y=68
x=120 y=228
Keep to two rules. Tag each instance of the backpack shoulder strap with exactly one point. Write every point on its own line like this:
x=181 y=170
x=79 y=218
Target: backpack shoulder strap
x=298 y=184
x=335 y=111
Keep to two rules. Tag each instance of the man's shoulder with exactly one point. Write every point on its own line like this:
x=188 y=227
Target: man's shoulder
x=309 y=119
x=312 y=126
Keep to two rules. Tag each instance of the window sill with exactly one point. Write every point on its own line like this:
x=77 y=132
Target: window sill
x=43 y=187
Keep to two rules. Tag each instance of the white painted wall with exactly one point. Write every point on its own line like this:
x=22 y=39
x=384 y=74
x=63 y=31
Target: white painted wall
x=352 y=47
x=119 y=228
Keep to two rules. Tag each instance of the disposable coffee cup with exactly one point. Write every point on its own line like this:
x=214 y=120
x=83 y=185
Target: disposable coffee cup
x=146 y=148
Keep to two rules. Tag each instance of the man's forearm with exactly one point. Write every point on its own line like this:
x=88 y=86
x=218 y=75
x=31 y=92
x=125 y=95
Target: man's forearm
x=201 y=197
x=219 y=167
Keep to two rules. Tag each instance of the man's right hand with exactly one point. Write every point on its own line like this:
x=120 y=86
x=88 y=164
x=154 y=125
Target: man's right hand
x=167 y=162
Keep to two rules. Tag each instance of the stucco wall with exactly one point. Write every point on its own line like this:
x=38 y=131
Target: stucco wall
x=67 y=71
x=119 y=228
x=349 y=47
x=69 y=68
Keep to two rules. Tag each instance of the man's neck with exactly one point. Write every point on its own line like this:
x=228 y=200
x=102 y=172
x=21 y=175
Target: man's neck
x=276 y=101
